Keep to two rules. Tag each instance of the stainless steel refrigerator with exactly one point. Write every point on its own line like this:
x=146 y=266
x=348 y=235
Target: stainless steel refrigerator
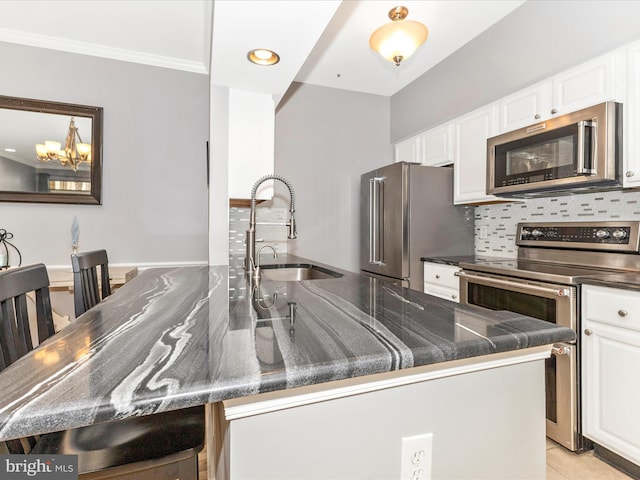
x=406 y=213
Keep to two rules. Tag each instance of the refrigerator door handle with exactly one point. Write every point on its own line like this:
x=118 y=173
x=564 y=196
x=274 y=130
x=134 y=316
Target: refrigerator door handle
x=375 y=240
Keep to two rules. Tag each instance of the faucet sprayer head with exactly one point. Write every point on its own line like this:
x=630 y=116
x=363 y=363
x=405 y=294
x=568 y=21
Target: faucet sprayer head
x=292 y=227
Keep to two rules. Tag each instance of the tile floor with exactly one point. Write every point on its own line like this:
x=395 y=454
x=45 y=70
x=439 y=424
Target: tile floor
x=561 y=465
x=565 y=465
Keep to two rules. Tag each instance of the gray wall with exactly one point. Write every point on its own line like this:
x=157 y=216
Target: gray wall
x=16 y=176
x=156 y=123
x=538 y=39
x=326 y=138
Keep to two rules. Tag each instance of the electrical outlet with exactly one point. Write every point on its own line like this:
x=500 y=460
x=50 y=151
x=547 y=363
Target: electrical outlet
x=415 y=462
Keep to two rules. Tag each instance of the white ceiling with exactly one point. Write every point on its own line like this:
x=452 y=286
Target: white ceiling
x=166 y=33
x=343 y=59
x=177 y=34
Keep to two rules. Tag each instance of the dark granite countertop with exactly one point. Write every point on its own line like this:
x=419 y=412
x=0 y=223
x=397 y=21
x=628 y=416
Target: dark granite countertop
x=176 y=337
x=457 y=260
x=626 y=280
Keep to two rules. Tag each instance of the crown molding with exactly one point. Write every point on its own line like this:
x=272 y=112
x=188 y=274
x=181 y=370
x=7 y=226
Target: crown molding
x=82 y=48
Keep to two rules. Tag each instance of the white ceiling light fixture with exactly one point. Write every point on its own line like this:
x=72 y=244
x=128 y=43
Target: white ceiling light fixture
x=74 y=151
x=398 y=40
x=263 y=56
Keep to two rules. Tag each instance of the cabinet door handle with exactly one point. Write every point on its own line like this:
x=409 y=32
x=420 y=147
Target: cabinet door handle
x=629 y=174
x=588 y=331
x=554 y=111
x=454 y=297
x=536 y=116
x=438 y=277
x=622 y=313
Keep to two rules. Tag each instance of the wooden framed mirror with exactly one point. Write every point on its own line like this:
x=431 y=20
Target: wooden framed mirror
x=46 y=174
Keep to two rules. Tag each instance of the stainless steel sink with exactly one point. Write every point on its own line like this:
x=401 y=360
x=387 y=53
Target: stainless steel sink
x=295 y=272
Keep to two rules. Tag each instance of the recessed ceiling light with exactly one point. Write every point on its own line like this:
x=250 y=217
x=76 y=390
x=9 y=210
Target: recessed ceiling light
x=10 y=150
x=262 y=56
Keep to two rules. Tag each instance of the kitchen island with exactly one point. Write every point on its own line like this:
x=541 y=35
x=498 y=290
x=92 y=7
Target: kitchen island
x=177 y=337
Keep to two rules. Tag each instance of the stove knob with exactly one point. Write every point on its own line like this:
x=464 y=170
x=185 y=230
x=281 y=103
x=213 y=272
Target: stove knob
x=602 y=233
x=537 y=233
x=619 y=234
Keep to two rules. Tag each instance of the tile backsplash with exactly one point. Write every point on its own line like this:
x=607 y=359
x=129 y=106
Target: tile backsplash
x=495 y=225
x=495 y=228
x=270 y=228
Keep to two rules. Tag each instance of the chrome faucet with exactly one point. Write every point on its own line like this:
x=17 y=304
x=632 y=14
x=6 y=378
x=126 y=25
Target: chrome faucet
x=256 y=265
x=250 y=236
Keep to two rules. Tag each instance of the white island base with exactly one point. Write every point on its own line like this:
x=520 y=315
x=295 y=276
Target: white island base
x=484 y=418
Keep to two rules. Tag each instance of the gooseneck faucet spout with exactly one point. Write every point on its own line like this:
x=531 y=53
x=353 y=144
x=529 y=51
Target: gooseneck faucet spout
x=250 y=237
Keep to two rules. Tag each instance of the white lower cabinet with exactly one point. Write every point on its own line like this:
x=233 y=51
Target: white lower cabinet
x=610 y=367
x=441 y=281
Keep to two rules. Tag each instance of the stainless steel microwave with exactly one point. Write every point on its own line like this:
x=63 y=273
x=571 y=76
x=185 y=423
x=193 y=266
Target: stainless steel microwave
x=577 y=151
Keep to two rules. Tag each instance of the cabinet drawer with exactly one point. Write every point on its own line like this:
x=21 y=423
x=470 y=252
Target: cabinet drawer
x=441 y=275
x=442 y=292
x=612 y=306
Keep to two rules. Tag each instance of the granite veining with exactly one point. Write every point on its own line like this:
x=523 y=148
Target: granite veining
x=622 y=280
x=457 y=260
x=178 y=337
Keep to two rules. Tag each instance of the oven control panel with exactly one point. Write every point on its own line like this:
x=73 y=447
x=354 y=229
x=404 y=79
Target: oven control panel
x=618 y=236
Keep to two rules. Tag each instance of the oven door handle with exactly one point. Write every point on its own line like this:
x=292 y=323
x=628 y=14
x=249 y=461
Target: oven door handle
x=558 y=292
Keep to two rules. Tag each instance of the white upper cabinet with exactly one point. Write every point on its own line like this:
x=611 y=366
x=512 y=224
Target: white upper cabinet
x=524 y=107
x=407 y=150
x=587 y=84
x=470 y=160
x=631 y=113
x=437 y=145
x=433 y=147
x=463 y=141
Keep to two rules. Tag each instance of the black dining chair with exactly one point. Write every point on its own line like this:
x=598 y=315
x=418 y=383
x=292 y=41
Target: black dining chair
x=160 y=446
x=87 y=291
x=15 y=329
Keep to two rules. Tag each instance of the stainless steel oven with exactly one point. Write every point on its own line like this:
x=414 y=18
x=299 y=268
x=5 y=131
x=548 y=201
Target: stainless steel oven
x=544 y=282
x=546 y=301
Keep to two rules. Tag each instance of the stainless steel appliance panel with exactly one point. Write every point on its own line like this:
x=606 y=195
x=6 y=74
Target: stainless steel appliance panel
x=577 y=151
x=407 y=213
x=552 y=303
x=437 y=227
x=544 y=282
x=383 y=220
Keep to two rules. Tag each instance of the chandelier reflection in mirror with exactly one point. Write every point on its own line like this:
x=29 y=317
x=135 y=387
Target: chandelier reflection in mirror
x=75 y=151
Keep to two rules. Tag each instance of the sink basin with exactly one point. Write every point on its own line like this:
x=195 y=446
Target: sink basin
x=295 y=272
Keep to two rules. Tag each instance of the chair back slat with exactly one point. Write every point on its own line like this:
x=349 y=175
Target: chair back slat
x=44 y=314
x=15 y=327
x=88 y=291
